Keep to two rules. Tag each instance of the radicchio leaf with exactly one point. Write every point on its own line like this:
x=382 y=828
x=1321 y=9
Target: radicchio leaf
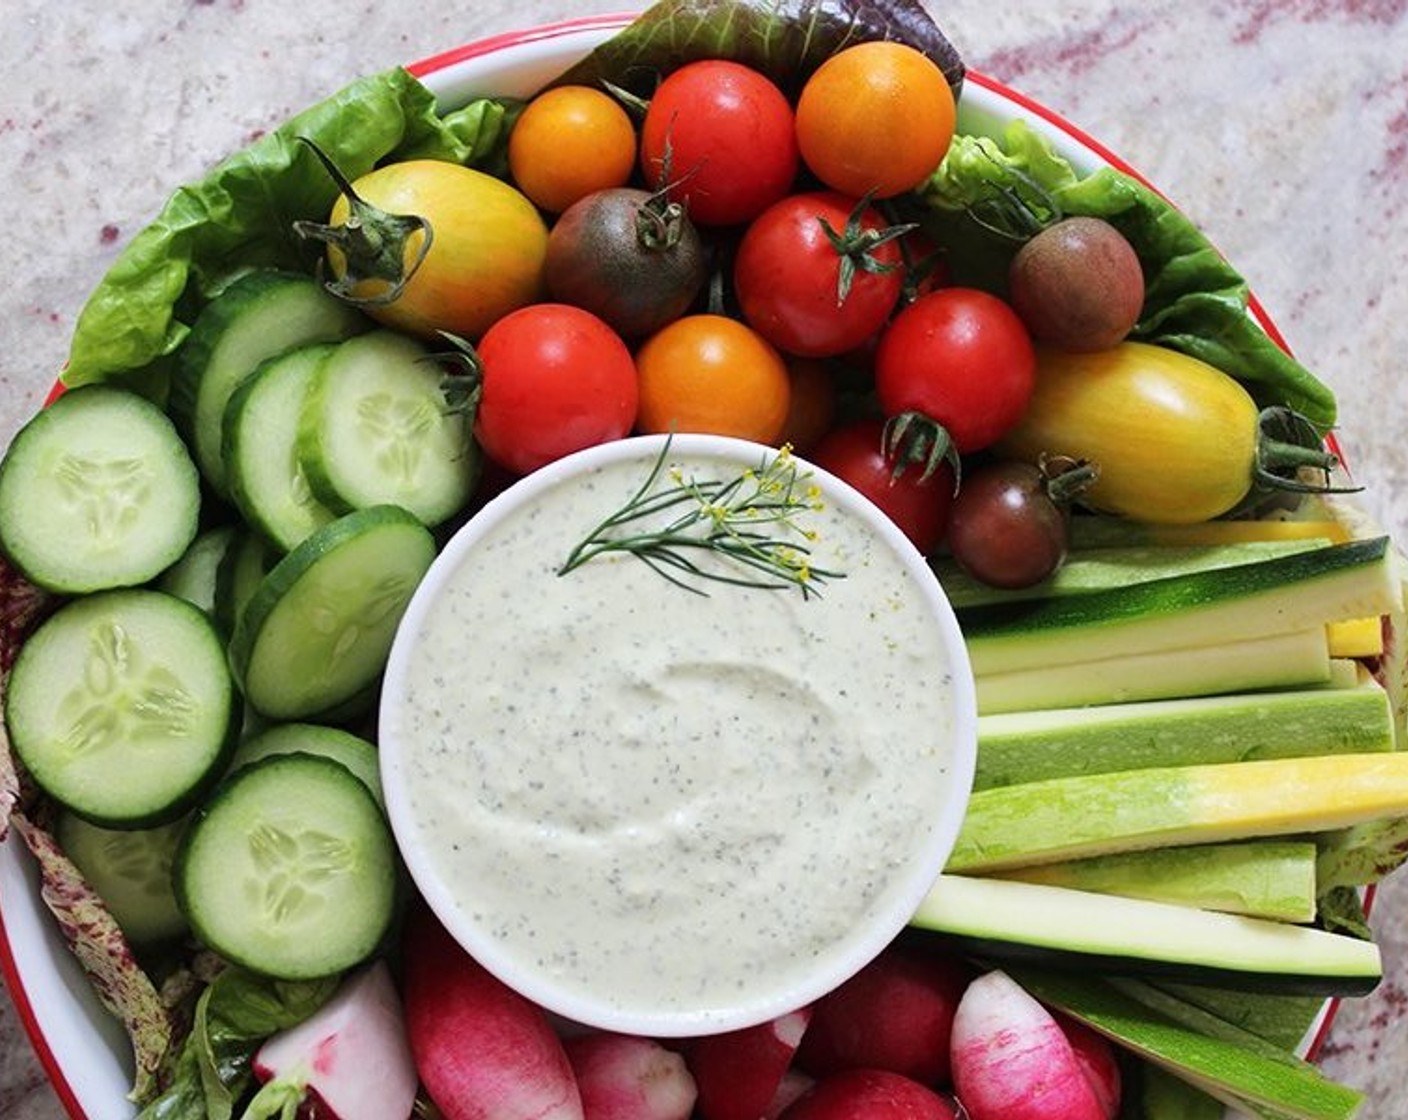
x=21 y=606
x=95 y=939
x=785 y=39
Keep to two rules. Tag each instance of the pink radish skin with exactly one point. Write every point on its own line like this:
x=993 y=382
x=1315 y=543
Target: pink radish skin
x=896 y=1013
x=870 y=1094
x=794 y=1084
x=738 y=1072
x=623 y=1077
x=349 y=1060
x=1096 y=1055
x=483 y=1051
x=1012 y=1061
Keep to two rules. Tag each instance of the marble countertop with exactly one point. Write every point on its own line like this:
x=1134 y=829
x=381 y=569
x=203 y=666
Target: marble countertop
x=1280 y=126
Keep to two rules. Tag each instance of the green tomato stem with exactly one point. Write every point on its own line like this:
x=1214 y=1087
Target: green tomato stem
x=1287 y=443
x=373 y=243
x=912 y=439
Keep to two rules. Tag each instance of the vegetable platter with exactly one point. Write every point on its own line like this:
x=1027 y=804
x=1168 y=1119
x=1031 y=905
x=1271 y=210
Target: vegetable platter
x=1183 y=1019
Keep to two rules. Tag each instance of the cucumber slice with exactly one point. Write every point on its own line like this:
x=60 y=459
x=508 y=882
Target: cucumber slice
x=319 y=628
x=266 y=480
x=97 y=491
x=289 y=869
x=131 y=871
x=122 y=708
x=260 y=315
x=352 y=751
x=376 y=430
x=246 y=562
x=194 y=576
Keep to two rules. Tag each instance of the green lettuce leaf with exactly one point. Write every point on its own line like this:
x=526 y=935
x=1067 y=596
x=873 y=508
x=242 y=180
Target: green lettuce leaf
x=785 y=39
x=239 y=216
x=235 y=1013
x=1195 y=301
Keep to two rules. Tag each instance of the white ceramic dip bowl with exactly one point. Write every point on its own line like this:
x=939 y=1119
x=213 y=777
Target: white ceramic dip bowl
x=674 y=810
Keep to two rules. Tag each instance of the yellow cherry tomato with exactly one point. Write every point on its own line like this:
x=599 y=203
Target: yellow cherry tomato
x=568 y=142
x=875 y=118
x=487 y=247
x=1174 y=438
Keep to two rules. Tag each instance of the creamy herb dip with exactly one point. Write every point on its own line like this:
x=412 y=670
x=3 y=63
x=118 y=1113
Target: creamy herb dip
x=665 y=811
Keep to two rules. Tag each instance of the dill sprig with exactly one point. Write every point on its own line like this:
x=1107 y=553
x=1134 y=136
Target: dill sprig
x=683 y=530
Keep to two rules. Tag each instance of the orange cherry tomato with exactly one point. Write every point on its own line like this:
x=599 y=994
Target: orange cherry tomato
x=875 y=118
x=568 y=142
x=709 y=373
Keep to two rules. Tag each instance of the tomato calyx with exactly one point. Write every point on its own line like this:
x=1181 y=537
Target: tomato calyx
x=912 y=439
x=1064 y=479
x=1287 y=444
x=372 y=242
x=660 y=223
x=923 y=271
x=463 y=384
x=855 y=243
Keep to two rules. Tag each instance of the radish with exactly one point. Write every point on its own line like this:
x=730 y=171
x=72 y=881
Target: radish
x=1012 y=1061
x=347 y=1061
x=794 y=1084
x=870 y=1094
x=483 y=1051
x=739 y=1072
x=624 y=1077
x=1096 y=1055
x=895 y=1013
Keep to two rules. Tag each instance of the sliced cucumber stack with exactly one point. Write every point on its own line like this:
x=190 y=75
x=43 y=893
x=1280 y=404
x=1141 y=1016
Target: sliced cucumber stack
x=266 y=480
x=317 y=630
x=122 y=708
x=97 y=491
x=289 y=869
x=375 y=429
x=260 y=315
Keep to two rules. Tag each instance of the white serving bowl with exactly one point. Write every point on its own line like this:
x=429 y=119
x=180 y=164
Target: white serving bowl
x=82 y=1048
x=721 y=805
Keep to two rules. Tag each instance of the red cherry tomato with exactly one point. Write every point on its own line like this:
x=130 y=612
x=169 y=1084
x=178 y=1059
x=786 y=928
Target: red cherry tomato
x=919 y=506
x=720 y=135
x=815 y=274
x=556 y=379
x=961 y=358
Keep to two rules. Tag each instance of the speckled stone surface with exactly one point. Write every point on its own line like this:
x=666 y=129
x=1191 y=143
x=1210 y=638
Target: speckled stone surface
x=1281 y=126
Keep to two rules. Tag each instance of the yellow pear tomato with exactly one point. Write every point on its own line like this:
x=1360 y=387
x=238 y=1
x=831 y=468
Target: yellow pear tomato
x=1176 y=440
x=475 y=254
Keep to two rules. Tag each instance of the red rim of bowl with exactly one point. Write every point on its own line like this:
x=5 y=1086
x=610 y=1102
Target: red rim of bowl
x=8 y=968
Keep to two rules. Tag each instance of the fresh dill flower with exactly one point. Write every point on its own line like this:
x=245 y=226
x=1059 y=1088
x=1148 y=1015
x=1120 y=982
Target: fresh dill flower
x=740 y=530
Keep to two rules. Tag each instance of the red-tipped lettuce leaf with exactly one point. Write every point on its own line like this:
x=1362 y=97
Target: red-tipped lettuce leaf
x=785 y=39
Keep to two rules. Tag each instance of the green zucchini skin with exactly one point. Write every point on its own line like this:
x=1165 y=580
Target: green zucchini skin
x=1002 y=922
x=1018 y=747
x=995 y=951
x=1256 y=1077
x=1169 y=596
